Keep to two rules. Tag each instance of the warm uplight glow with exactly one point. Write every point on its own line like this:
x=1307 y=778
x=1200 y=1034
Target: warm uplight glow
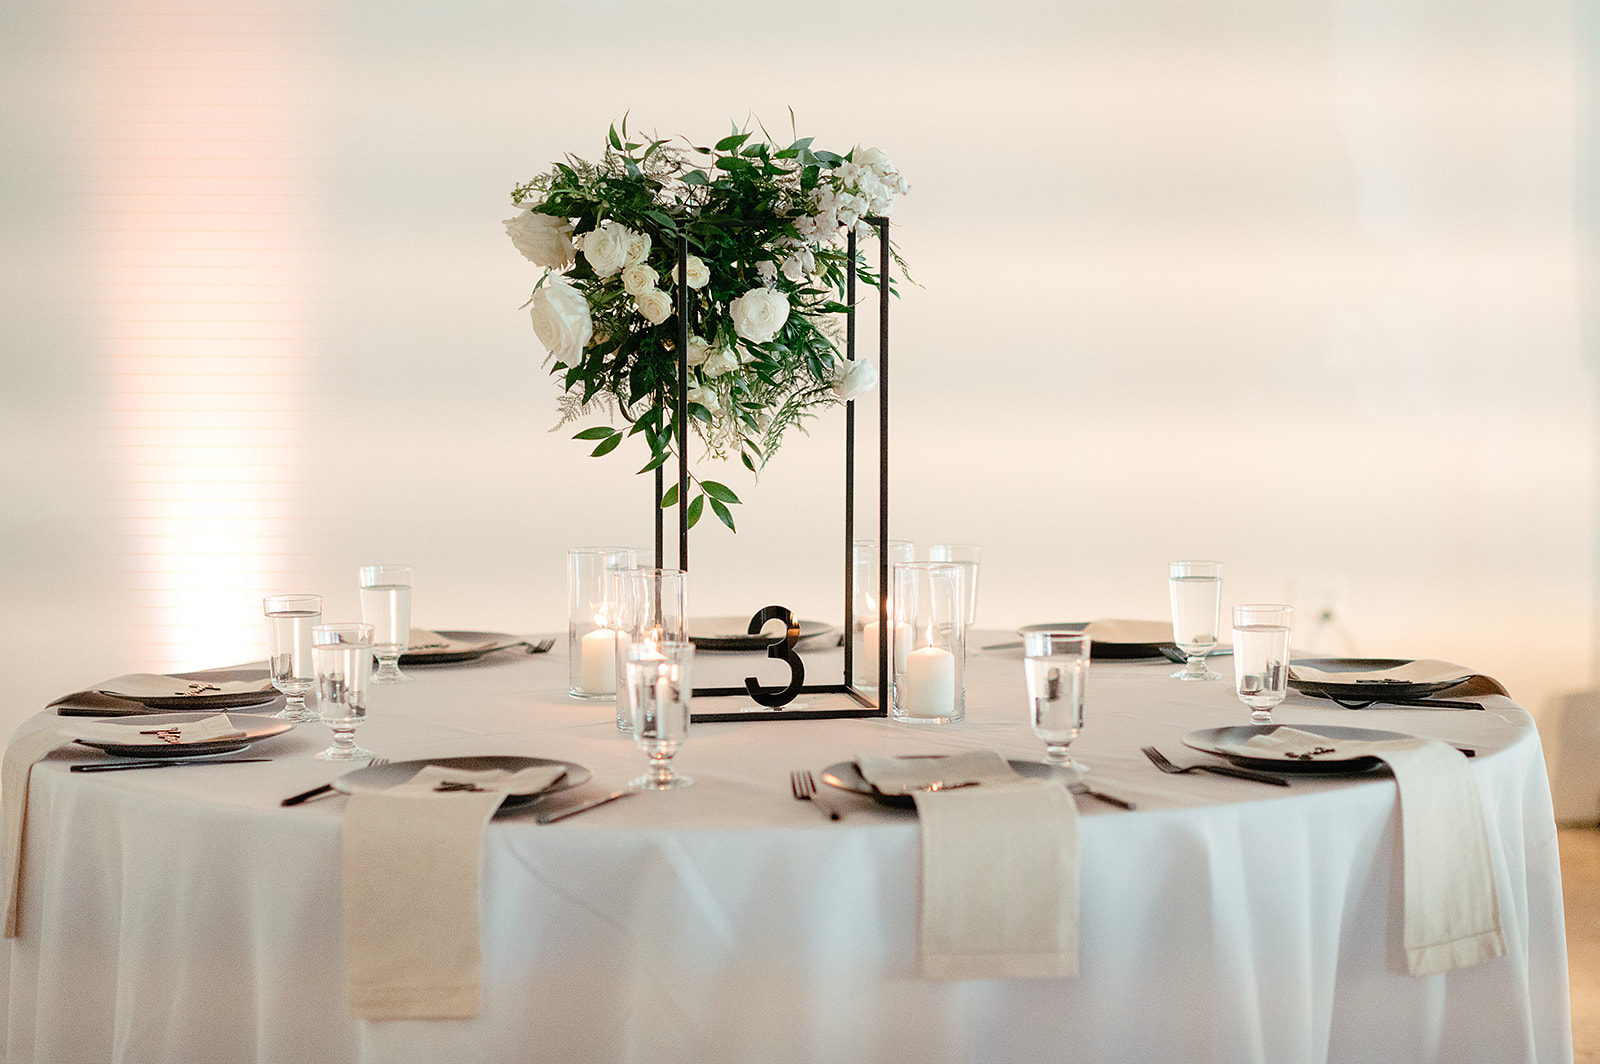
x=201 y=132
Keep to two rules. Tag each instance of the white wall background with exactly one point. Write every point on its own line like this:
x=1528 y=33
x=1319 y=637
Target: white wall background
x=1290 y=285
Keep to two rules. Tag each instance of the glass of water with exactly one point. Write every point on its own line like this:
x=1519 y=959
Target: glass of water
x=1196 y=590
x=1261 y=657
x=386 y=605
x=344 y=666
x=1056 y=666
x=658 y=688
x=290 y=619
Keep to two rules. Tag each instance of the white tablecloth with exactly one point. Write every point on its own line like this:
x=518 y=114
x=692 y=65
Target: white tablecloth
x=182 y=915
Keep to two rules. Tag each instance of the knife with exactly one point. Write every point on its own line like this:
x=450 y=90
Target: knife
x=581 y=807
x=120 y=766
x=1244 y=774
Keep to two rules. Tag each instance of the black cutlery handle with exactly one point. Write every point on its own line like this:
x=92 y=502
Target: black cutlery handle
x=306 y=796
x=124 y=766
x=1246 y=774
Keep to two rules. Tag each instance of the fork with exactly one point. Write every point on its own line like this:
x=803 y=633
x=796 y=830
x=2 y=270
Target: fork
x=541 y=647
x=805 y=790
x=1159 y=760
x=327 y=788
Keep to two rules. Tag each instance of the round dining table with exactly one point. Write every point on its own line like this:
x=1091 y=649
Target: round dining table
x=183 y=914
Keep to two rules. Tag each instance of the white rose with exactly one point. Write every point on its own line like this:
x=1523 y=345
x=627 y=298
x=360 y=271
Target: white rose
x=639 y=278
x=654 y=305
x=720 y=362
x=706 y=397
x=759 y=314
x=873 y=159
x=768 y=271
x=859 y=379
x=638 y=247
x=798 y=265
x=606 y=248
x=561 y=320
x=699 y=272
x=699 y=350
x=543 y=239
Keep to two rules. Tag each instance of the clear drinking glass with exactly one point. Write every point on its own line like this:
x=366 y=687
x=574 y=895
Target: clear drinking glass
x=1056 y=667
x=344 y=667
x=1261 y=656
x=592 y=622
x=929 y=645
x=290 y=619
x=967 y=555
x=658 y=687
x=647 y=606
x=386 y=605
x=864 y=594
x=1196 y=589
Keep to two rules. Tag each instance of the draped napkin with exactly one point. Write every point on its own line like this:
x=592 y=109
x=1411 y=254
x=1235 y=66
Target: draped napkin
x=423 y=641
x=152 y=685
x=27 y=747
x=411 y=856
x=1116 y=630
x=1425 y=670
x=999 y=867
x=1452 y=911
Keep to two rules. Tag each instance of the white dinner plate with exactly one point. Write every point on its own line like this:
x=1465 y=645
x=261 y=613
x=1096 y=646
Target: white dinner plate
x=255 y=729
x=1230 y=743
x=382 y=777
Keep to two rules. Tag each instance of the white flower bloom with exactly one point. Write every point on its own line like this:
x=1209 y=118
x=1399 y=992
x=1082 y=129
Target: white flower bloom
x=654 y=305
x=606 y=248
x=855 y=379
x=699 y=350
x=873 y=159
x=768 y=271
x=759 y=314
x=543 y=239
x=638 y=247
x=699 y=272
x=561 y=320
x=639 y=278
x=800 y=265
x=719 y=362
x=706 y=397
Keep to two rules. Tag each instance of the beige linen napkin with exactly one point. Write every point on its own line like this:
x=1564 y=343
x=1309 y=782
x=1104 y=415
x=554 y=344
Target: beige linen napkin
x=423 y=641
x=1425 y=670
x=1452 y=911
x=151 y=685
x=410 y=857
x=1114 y=630
x=999 y=868
x=28 y=746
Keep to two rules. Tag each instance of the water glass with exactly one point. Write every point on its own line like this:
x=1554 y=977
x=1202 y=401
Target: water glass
x=967 y=555
x=658 y=687
x=929 y=646
x=1261 y=656
x=592 y=622
x=864 y=596
x=648 y=606
x=290 y=619
x=1056 y=667
x=344 y=667
x=1196 y=590
x=386 y=605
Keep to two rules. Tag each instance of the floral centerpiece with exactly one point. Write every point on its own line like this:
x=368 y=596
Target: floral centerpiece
x=766 y=229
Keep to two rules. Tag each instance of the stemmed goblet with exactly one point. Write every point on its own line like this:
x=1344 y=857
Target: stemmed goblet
x=658 y=691
x=290 y=619
x=1261 y=657
x=344 y=665
x=1056 y=666
x=1196 y=590
x=386 y=606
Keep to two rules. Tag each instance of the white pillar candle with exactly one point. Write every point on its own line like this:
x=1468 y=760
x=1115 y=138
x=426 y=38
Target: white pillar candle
x=930 y=683
x=865 y=666
x=599 y=650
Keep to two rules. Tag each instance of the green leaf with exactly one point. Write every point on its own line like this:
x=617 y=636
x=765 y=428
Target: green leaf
x=695 y=507
x=696 y=177
x=719 y=491
x=616 y=141
x=655 y=462
x=730 y=143
x=607 y=445
x=744 y=456
x=723 y=515
x=599 y=432
x=669 y=498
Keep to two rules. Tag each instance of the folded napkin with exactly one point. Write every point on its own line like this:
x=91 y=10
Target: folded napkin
x=27 y=747
x=1452 y=911
x=151 y=685
x=999 y=884
x=422 y=641
x=411 y=857
x=1121 y=631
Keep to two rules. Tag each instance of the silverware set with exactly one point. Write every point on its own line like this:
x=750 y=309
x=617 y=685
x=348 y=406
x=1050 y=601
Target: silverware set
x=325 y=789
x=1159 y=760
x=805 y=790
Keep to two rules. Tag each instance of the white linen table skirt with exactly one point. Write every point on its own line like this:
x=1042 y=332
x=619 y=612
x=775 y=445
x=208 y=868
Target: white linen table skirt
x=181 y=915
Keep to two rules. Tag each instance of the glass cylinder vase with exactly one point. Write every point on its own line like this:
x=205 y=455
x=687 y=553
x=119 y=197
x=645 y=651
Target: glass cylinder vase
x=650 y=606
x=591 y=621
x=864 y=595
x=930 y=643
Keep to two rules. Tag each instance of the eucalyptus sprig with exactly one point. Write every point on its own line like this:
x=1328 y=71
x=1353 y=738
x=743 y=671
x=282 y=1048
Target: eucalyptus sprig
x=766 y=271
